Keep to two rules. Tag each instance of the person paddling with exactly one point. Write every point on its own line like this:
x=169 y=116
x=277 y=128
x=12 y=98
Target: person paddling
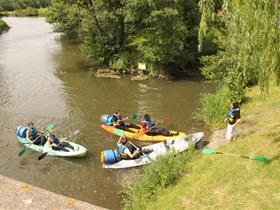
x=149 y=128
x=54 y=142
x=32 y=134
x=233 y=118
x=126 y=150
x=119 y=123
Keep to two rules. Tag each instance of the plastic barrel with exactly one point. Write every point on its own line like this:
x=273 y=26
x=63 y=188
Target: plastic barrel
x=21 y=131
x=106 y=119
x=109 y=156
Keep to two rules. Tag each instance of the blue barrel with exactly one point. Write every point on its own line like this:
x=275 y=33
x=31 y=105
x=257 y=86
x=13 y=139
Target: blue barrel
x=109 y=156
x=106 y=119
x=21 y=131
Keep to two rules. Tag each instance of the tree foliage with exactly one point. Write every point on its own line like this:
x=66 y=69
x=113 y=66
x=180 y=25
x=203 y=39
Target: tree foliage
x=161 y=33
x=248 y=39
x=10 y=5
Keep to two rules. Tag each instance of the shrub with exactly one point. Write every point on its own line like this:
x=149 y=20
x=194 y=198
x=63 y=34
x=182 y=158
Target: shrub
x=215 y=107
x=155 y=178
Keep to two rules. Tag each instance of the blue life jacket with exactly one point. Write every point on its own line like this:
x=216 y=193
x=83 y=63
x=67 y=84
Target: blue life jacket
x=33 y=132
x=149 y=123
x=54 y=139
x=233 y=115
x=122 y=148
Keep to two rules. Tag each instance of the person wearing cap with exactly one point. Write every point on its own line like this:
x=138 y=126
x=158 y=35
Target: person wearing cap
x=126 y=150
x=35 y=136
x=54 y=142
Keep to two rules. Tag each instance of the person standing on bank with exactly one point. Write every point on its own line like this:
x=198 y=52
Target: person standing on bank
x=233 y=117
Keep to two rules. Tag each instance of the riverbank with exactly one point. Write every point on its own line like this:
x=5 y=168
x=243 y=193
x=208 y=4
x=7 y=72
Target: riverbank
x=224 y=182
x=19 y=195
x=27 y=12
x=3 y=26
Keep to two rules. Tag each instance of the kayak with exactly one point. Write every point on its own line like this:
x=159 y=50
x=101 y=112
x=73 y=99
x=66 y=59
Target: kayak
x=134 y=134
x=78 y=151
x=157 y=150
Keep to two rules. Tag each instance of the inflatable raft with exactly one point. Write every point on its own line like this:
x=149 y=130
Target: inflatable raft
x=144 y=137
x=78 y=151
x=157 y=150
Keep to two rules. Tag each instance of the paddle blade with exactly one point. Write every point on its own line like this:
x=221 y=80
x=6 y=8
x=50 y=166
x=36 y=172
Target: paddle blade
x=208 y=151
x=261 y=159
x=21 y=151
x=42 y=156
x=134 y=116
x=118 y=132
x=49 y=127
x=165 y=120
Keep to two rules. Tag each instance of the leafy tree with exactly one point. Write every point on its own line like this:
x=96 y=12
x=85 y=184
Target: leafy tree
x=121 y=33
x=248 y=37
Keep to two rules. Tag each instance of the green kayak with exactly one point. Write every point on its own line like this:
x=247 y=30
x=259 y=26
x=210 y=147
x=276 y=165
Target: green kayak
x=78 y=151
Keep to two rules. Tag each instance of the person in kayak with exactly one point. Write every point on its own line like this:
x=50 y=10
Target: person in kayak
x=233 y=118
x=126 y=150
x=54 y=142
x=32 y=134
x=148 y=127
x=119 y=123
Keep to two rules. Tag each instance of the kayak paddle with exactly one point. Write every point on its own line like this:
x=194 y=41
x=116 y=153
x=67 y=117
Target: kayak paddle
x=132 y=117
x=22 y=150
x=257 y=158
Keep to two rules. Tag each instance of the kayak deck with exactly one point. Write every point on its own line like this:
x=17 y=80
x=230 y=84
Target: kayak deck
x=159 y=149
x=78 y=151
x=144 y=137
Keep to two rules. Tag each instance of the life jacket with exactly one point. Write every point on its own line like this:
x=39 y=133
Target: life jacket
x=116 y=117
x=148 y=123
x=121 y=151
x=233 y=115
x=54 y=139
x=33 y=132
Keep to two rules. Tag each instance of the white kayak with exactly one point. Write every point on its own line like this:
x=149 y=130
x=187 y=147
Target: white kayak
x=158 y=149
x=78 y=151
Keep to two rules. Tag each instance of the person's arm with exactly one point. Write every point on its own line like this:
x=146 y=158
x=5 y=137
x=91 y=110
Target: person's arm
x=27 y=135
x=126 y=151
x=119 y=141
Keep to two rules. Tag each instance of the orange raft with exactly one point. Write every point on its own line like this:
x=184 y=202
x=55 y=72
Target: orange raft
x=143 y=137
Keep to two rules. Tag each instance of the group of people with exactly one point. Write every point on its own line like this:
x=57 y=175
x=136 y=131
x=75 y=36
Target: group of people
x=146 y=125
x=126 y=149
x=41 y=138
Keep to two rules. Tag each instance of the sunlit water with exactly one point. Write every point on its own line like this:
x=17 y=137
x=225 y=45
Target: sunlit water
x=46 y=79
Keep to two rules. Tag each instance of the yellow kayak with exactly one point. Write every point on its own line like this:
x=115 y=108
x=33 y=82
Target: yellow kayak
x=135 y=135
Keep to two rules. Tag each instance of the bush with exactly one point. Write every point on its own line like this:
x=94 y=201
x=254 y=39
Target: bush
x=215 y=107
x=155 y=178
x=3 y=26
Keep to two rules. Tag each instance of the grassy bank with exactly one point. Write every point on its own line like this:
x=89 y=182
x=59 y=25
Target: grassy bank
x=225 y=182
x=3 y=26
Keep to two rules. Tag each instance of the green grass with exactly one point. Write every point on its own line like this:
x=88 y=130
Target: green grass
x=155 y=178
x=3 y=26
x=225 y=182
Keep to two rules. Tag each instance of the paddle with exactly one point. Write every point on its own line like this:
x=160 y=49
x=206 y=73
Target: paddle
x=133 y=117
x=22 y=150
x=140 y=133
x=257 y=158
x=45 y=153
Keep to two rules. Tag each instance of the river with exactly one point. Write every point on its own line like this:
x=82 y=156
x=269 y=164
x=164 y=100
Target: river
x=45 y=78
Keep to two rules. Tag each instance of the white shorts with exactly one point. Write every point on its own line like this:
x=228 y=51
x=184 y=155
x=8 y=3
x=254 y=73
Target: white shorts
x=230 y=129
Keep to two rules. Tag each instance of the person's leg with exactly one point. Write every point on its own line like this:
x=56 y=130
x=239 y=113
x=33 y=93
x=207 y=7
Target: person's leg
x=66 y=144
x=230 y=130
x=43 y=140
